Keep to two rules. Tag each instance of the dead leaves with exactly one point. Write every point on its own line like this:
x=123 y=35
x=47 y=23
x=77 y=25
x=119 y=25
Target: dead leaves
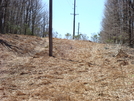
x=121 y=54
x=80 y=71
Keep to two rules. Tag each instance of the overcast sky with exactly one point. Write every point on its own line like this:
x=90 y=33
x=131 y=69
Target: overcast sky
x=90 y=16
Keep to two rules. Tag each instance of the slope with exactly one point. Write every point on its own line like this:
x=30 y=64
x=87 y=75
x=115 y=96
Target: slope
x=79 y=70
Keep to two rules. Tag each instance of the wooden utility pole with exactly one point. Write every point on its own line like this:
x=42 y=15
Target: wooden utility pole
x=1 y=17
x=78 y=28
x=74 y=19
x=50 y=29
x=74 y=14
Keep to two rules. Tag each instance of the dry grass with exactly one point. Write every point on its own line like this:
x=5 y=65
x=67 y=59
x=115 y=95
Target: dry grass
x=79 y=70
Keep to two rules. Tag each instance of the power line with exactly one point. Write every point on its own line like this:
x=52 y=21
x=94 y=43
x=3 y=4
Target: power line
x=69 y=3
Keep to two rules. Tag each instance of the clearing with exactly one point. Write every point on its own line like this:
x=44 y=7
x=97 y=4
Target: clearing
x=79 y=70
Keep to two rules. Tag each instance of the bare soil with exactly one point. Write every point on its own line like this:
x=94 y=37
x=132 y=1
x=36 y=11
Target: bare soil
x=78 y=70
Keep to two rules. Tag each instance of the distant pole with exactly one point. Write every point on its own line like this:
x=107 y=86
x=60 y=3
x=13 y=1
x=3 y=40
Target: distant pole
x=50 y=29
x=78 y=28
x=74 y=19
x=74 y=14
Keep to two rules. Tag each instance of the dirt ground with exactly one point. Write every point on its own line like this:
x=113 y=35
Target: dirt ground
x=78 y=71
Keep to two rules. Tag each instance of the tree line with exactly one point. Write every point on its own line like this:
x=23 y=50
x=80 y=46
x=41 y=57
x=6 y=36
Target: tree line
x=118 y=22
x=23 y=17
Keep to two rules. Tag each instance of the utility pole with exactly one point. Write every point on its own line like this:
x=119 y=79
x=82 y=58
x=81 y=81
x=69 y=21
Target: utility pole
x=74 y=14
x=50 y=29
x=78 y=28
x=74 y=19
x=1 y=17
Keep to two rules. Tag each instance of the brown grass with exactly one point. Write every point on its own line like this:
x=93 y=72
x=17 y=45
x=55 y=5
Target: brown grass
x=79 y=70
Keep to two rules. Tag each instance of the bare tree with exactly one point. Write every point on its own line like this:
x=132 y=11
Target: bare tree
x=22 y=16
x=117 y=24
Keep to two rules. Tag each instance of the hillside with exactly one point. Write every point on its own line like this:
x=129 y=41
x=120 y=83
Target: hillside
x=79 y=70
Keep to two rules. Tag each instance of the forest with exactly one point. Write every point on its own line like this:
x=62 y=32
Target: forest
x=118 y=22
x=28 y=17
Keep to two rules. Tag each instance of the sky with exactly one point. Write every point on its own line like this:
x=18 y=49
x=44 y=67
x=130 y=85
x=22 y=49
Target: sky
x=90 y=16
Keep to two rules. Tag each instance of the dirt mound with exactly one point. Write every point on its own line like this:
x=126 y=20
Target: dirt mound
x=79 y=70
x=20 y=44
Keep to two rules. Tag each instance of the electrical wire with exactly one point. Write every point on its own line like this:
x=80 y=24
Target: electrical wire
x=69 y=3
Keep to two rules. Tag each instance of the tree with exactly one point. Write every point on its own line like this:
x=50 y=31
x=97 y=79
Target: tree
x=23 y=17
x=55 y=34
x=45 y=24
x=68 y=36
x=95 y=38
x=110 y=23
x=81 y=37
x=117 y=24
